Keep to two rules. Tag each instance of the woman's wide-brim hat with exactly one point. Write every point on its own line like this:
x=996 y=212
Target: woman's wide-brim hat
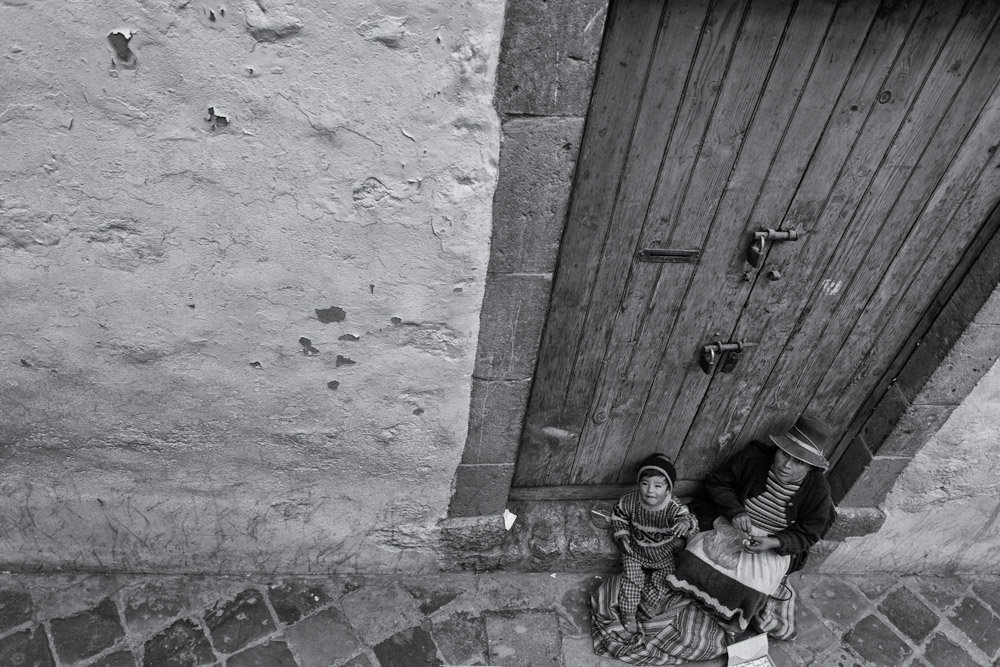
x=805 y=441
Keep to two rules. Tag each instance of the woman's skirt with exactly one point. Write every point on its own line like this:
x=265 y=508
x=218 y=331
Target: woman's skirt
x=732 y=583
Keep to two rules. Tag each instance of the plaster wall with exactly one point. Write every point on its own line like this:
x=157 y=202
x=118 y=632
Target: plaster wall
x=942 y=512
x=242 y=257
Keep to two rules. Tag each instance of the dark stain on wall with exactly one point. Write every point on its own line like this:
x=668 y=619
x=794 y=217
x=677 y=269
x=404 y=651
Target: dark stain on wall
x=350 y=337
x=331 y=314
x=332 y=384
x=344 y=361
x=307 y=347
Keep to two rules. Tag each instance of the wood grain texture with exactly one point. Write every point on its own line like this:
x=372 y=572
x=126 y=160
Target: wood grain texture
x=869 y=127
x=959 y=150
x=872 y=235
x=549 y=439
x=726 y=404
x=623 y=385
x=796 y=325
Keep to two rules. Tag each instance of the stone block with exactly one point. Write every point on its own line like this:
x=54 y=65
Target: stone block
x=378 y=612
x=883 y=419
x=931 y=352
x=237 y=623
x=16 y=607
x=990 y=312
x=549 y=56
x=413 y=646
x=537 y=160
x=837 y=601
x=496 y=411
x=876 y=482
x=323 y=639
x=523 y=639
x=966 y=363
x=120 y=659
x=183 y=644
x=942 y=652
x=877 y=643
x=26 y=648
x=855 y=522
x=461 y=638
x=978 y=623
x=909 y=614
x=473 y=533
x=917 y=425
x=88 y=633
x=849 y=468
x=510 y=326
x=152 y=606
x=988 y=591
x=294 y=599
x=481 y=489
x=942 y=593
x=270 y=654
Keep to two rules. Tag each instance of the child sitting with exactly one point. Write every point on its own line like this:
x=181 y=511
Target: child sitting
x=649 y=526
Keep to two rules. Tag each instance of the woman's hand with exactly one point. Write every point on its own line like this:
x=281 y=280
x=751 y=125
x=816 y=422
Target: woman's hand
x=756 y=545
x=742 y=523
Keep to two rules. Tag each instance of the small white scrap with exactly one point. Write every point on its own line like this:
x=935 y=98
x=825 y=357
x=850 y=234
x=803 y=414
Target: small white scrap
x=508 y=519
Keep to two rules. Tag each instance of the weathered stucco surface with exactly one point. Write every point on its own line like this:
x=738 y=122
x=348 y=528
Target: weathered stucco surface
x=943 y=513
x=243 y=247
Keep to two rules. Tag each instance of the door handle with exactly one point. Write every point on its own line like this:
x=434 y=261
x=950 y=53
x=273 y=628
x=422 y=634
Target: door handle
x=755 y=255
x=723 y=355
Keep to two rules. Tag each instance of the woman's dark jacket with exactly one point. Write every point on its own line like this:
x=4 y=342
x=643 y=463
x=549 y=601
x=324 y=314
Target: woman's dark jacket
x=809 y=511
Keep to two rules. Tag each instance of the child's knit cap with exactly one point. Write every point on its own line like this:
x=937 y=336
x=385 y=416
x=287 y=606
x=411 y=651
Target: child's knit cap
x=660 y=464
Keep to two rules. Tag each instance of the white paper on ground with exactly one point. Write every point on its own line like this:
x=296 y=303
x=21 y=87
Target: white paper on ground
x=508 y=519
x=749 y=649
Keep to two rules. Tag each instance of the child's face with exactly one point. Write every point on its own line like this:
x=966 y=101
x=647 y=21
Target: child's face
x=653 y=490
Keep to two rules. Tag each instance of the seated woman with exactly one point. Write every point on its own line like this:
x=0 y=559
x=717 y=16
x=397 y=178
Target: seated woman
x=765 y=507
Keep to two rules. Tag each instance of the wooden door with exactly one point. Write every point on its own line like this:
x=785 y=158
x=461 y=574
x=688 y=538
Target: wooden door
x=870 y=128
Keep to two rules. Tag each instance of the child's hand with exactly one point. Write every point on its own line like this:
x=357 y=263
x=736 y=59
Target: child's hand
x=632 y=626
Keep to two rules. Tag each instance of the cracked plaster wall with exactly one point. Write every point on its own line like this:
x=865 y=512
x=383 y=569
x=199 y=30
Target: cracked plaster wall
x=242 y=253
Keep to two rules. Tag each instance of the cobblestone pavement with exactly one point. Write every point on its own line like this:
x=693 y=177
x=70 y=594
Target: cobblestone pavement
x=529 y=620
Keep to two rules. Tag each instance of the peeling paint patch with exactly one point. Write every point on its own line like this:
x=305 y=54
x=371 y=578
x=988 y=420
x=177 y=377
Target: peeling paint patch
x=418 y=411
x=255 y=364
x=370 y=192
x=389 y=31
x=124 y=245
x=332 y=384
x=831 y=287
x=269 y=25
x=331 y=314
x=344 y=361
x=349 y=337
x=119 y=40
x=307 y=347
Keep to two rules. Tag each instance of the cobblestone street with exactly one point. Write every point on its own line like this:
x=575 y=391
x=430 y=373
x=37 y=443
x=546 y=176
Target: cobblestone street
x=452 y=619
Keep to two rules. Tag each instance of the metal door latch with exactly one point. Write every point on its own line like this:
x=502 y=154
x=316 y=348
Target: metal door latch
x=723 y=355
x=755 y=255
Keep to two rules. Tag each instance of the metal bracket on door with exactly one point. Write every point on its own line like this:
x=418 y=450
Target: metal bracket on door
x=755 y=255
x=724 y=355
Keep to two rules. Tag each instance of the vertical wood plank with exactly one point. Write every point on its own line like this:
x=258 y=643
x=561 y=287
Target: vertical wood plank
x=939 y=237
x=670 y=77
x=618 y=89
x=846 y=146
x=821 y=113
x=699 y=215
x=925 y=94
x=856 y=137
x=598 y=460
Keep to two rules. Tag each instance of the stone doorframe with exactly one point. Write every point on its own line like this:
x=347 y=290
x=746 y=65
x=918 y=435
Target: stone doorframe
x=548 y=60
